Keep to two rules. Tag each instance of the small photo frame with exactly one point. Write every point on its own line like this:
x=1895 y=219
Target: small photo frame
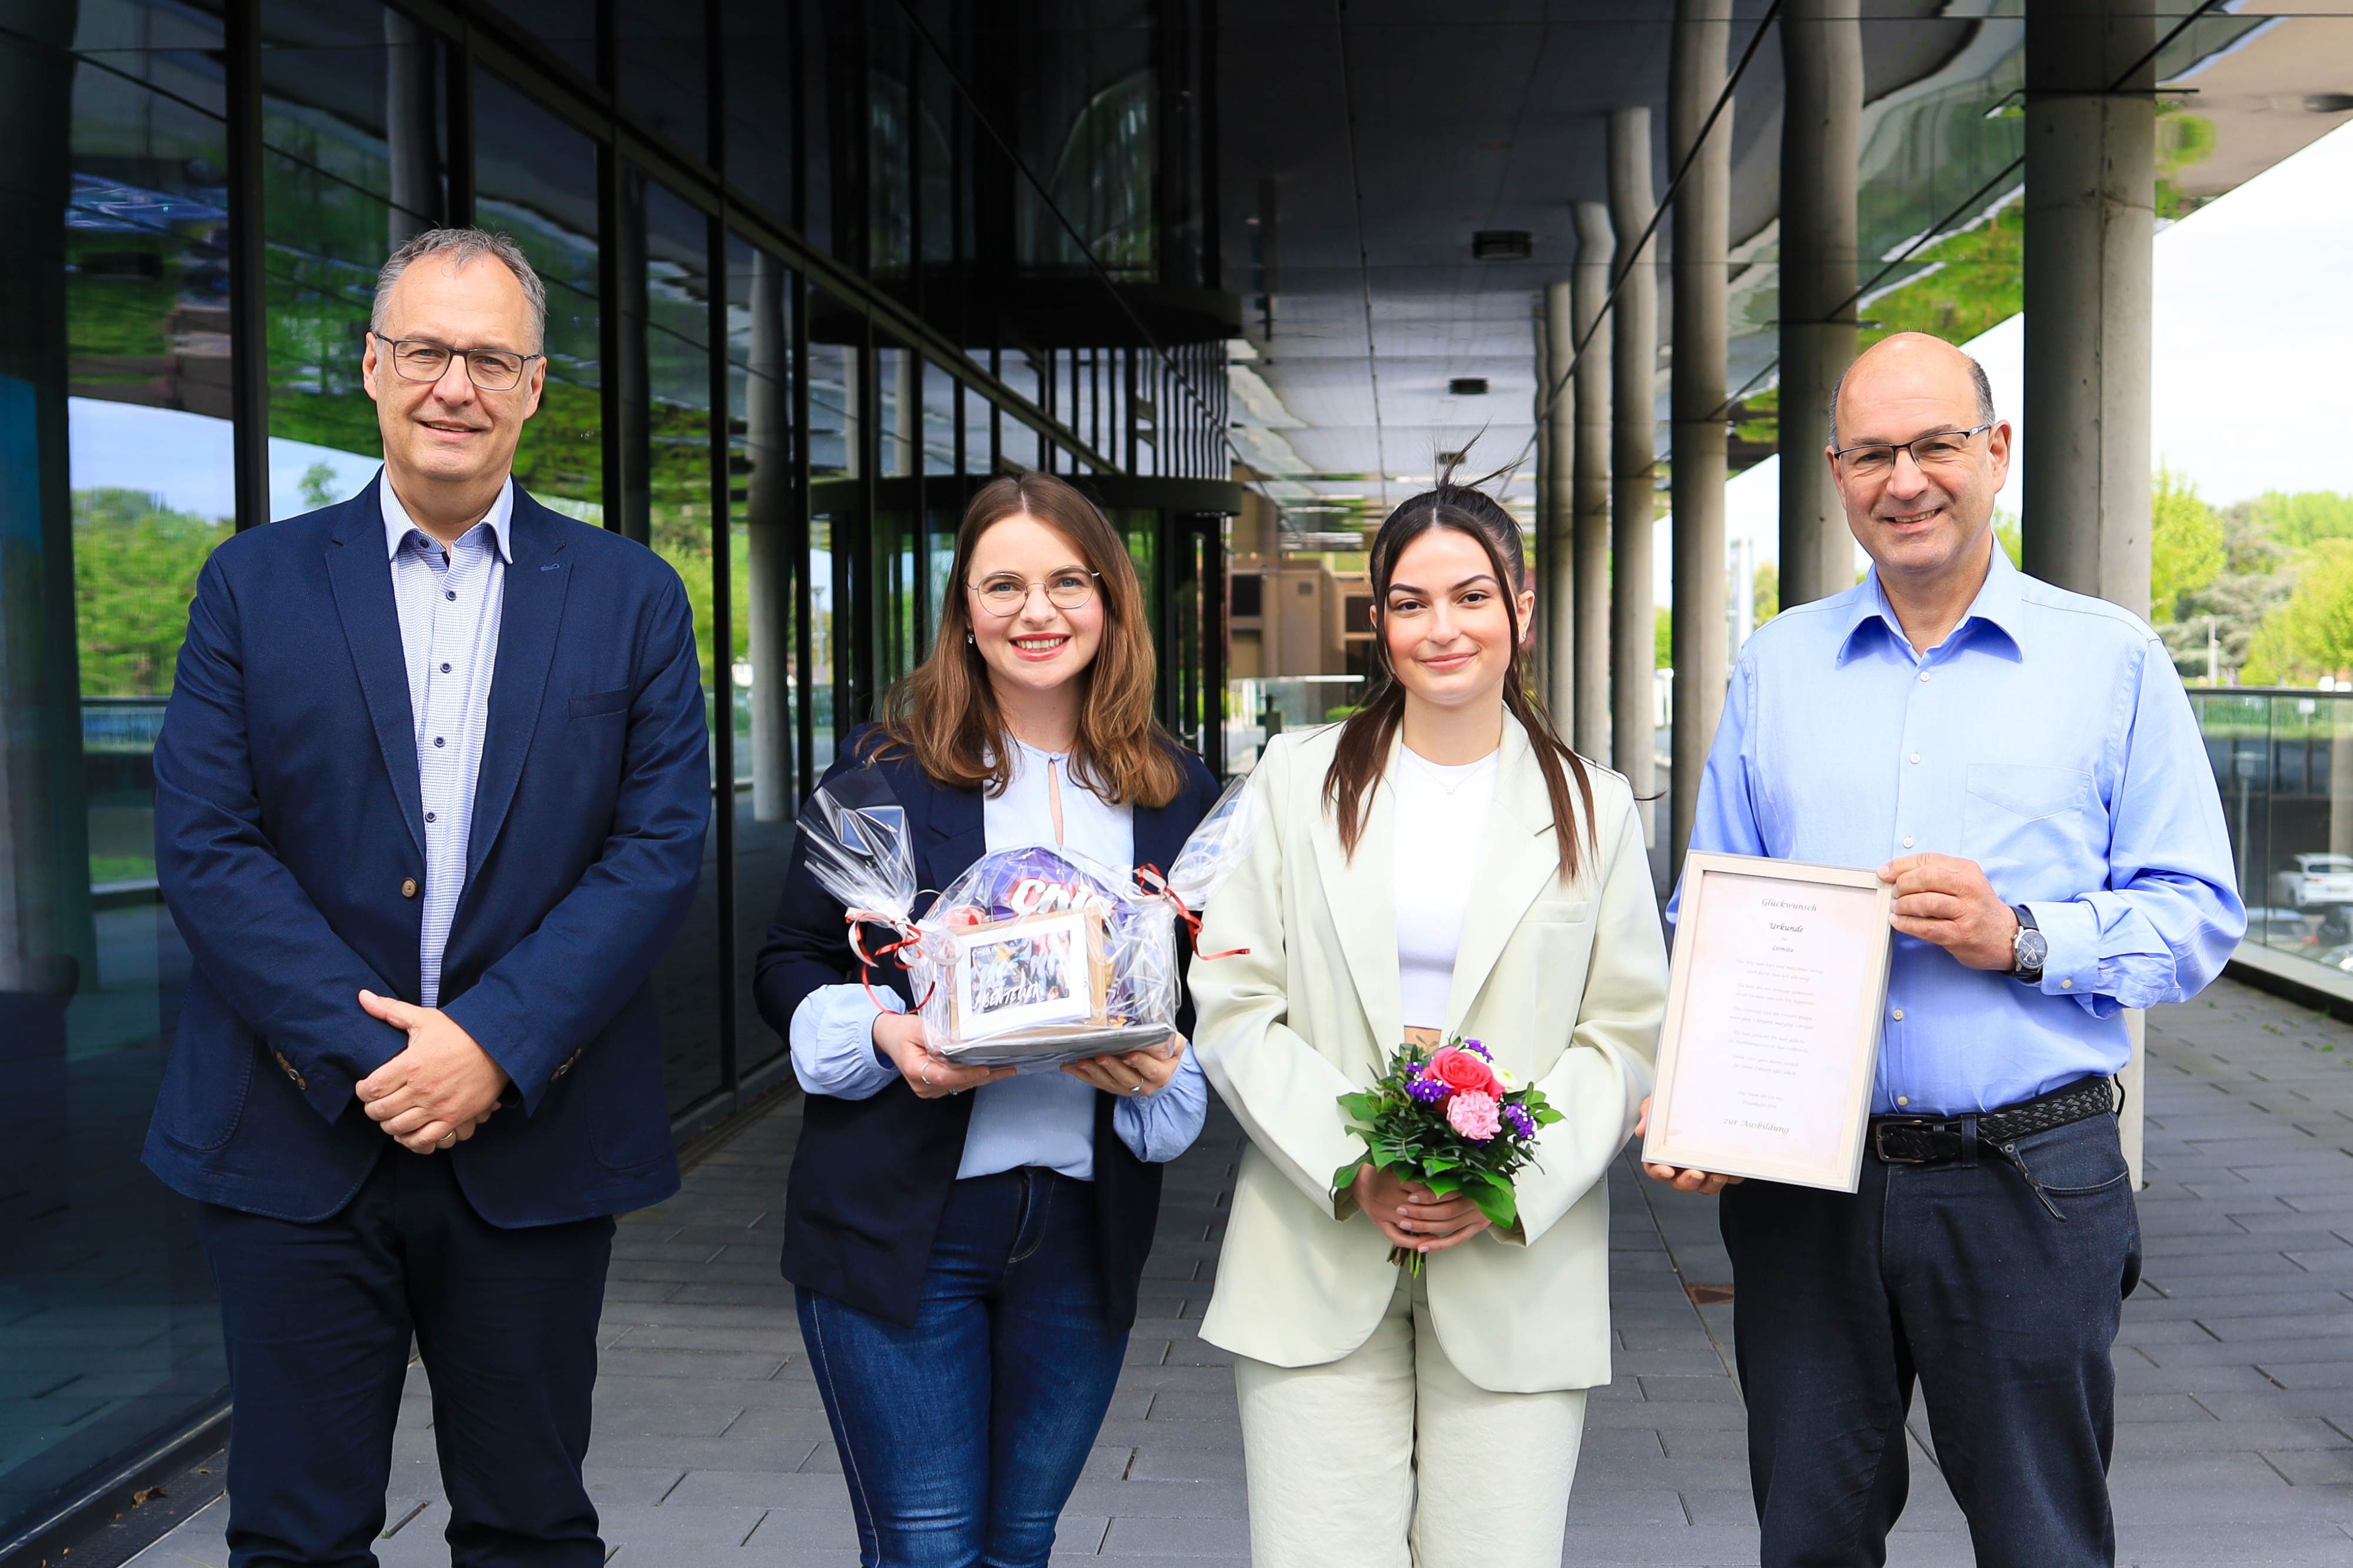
x=1025 y=974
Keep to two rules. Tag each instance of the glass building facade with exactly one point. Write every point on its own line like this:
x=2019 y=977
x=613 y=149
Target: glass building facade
x=815 y=269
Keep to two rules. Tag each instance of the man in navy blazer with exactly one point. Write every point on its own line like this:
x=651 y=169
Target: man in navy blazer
x=430 y=800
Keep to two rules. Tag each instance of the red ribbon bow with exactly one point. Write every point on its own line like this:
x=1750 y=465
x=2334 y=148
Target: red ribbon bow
x=909 y=936
x=1150 y=879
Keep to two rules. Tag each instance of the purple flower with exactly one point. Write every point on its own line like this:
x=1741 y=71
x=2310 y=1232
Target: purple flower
x=1475 y=1046
x=1520 y=1121
x=1428 y=1091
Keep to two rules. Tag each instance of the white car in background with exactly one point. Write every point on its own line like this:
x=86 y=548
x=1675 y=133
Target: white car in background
x=2316 y=881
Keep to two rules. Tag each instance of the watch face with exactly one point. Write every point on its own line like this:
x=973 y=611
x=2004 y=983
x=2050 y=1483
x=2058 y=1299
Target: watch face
x=2031 y=949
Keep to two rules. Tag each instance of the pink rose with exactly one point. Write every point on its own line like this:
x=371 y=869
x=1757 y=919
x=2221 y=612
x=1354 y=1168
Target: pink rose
x=1474 y=1115
x=1461 y=1072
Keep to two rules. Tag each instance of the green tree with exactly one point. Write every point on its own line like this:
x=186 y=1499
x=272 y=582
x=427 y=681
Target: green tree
x=135 y=565
x=318 y=484
x=2184 y=545
x=2312 y=634
x=2005 y=531
x=1663 y=637
x=2255 y=580
x=1765 y=593
x=2303 y=520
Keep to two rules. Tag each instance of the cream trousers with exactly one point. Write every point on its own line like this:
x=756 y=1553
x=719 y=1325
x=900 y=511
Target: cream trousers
x=1389 y=1458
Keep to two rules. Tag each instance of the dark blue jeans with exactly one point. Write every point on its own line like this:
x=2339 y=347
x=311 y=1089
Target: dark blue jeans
x=962 y=1436
x=1996 y=1282
x=318 y=1319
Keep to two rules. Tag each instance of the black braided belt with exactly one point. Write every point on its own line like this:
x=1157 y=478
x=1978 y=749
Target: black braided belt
x=1924 y=1140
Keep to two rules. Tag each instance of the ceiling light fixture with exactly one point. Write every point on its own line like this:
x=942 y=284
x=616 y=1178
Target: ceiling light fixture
x=1502 y=245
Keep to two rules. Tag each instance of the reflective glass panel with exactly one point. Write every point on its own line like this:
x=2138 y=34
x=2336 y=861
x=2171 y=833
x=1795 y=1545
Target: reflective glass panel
x=660 y=53
x=114 y=452
x=352 y=111
x=766 y=591
x=677 y=346
x=536 y=180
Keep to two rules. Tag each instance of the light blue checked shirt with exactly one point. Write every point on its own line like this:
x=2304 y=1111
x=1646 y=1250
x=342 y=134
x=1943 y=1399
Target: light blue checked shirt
x=2048 y=739
x=450 y=599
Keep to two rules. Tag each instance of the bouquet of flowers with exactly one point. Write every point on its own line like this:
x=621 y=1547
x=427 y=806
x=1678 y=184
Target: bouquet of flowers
x=1452 y=1120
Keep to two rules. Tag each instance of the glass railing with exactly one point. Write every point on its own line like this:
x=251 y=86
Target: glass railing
x=2283 y=763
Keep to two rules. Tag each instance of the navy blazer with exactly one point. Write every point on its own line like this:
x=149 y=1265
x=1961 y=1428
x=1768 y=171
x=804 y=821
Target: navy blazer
x=290 y=842
x=870 y=1177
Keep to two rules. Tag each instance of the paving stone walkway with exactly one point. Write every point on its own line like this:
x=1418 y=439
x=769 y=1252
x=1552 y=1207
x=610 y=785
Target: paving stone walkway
x=2235 y=1368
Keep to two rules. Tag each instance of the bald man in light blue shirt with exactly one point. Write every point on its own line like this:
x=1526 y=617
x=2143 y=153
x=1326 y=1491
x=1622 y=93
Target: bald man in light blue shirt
x=2022 y=764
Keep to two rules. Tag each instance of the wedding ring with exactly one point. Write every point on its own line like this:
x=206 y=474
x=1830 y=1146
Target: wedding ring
x=447 y=1139
x=1136 y=1089
x=925 y=1073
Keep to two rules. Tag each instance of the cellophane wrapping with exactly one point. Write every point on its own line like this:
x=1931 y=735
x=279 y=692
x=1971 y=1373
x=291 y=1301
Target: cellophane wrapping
x=1031 y=957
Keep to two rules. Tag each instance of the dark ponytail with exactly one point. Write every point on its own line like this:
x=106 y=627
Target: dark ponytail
x=1368 y=733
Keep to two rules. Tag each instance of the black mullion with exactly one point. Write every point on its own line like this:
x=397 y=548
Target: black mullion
x=804 y=632
x=714 y=121
x=1214 y=590
x=249 y=303
x=919 y=526
x=723 y=645
x=915 y=298
x=458 y=102
x=866 y=672
x=609 y=352
x=1212 y=263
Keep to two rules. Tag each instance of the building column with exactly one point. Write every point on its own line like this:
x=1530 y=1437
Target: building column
x=768 y=501
x=1703 y=38
x=2091 y=222
x=1589 y=480
x=1633 y=458
x=1556 y=406
x=1822 y=148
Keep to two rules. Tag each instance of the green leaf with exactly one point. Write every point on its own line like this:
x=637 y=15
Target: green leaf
x=1345 y=1176
x=1495 y=1199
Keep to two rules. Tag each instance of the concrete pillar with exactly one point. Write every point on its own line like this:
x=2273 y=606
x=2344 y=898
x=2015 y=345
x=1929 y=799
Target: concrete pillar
x=411 y=138
x=1589 y=479
x=1702 y=237
x=768 y=501
x=1633 y=456
x=1558 y=436
x=1822 y=138
x=2091 y=221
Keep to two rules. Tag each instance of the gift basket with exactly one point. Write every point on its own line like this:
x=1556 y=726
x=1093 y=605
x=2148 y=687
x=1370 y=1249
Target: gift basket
x=1031 y=957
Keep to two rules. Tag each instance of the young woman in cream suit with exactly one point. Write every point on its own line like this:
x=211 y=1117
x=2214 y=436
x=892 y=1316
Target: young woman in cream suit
x=1440 y=863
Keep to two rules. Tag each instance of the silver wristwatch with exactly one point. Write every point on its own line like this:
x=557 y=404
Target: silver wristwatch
x=2028 y=949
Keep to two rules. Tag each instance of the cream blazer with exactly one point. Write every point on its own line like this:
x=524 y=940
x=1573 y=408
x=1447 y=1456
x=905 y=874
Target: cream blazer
x=1564 y=982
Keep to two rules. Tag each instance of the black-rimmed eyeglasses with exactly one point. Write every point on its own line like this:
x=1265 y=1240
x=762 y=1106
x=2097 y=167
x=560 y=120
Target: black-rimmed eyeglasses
x=1938 y=449
x=422 y=359
x=1064 y=590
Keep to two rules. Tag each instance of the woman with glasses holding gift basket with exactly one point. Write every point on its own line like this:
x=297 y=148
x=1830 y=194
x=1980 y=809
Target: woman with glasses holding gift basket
x=966 y=1242
x=1411 y=1371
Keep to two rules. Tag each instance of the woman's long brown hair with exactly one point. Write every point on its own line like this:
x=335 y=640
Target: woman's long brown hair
x=1368 y=733
x=944 y=712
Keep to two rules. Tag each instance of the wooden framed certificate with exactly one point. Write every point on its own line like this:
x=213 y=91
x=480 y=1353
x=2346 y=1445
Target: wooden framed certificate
x=1770 y=1046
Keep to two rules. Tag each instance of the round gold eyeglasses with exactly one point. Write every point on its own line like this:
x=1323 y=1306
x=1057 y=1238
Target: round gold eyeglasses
x=1006 y=594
